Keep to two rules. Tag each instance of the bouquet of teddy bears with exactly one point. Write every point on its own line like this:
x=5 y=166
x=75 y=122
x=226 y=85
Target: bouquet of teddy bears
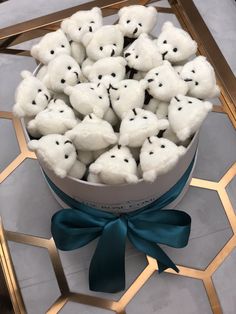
x=110 y=103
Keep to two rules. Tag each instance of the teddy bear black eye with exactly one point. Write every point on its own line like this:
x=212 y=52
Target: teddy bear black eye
x=66 y=156
x=193 y=71
x=136 y=57
x=62 y=81
x=144 y=117
x=118 y=98
x=131 y=119
x=92 y=22
x=125 y=86
x=156 y=74
x=164 y=42
x=140 y=24
x=62 y=46
x=114 y=45
x=33 y=102
x=100 y=77
x=150 y=80
x=79 y=28
x=190 y=102
x=128 y=21
x=52 y=52
x=92 y=88
x=160 y=85
x=180 y=108
x=101 y=48
x=150 y=153
x=100 y=97
x=61 y=111
x=39 y=90
x=69 y=67
x=175 y=49
x=113 y=156
x=57 y=142
x=196 y=83
x=113 y=74
x=162 y=146
x=126 y=160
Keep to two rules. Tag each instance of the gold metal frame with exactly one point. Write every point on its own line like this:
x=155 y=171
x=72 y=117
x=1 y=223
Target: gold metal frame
x=191 y=20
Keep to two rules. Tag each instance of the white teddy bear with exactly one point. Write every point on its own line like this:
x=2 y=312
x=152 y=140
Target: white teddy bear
x=50 y=46
x=92 y=133
x=137 y=125
x=78 y=52
x=81 y=23
x=31 y=96
x=158 y=156
x=186 y=115
x=164 y=83
x=116 y=166
x=57 y=118
x=59 y=154
x=62 y=71
x=137 y=19
x=107 y=41
x=126 y=95
x=143 y=54
x=89 y=98
x=106 y=71
x=200 y=77
x=175 y=44
x=162 y=110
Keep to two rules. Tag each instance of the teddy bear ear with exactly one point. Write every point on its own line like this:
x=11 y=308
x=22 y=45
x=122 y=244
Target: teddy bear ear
x=131 y=178
x=181 y=150
x=217 y=91
x=110 y=138
x=60 y=172
x=87 y=38
x=70 y=134
x=208 y=105
x=97 y=10
x=87 y=70
x=143 y=83
x=122 y=11
x=95 y=168
x=25 y=74
x=167 y=63
x=124 y=139
x=34 y=51
x=33 y=145
x=163 y=124
x=68 y=90
x=46 y=80
x=193 y=46
x=121 y=60
x=70 y=123
x=152 y=10
x=65 y=24
x=167 y=25
x=18 y=111
x=201 y=58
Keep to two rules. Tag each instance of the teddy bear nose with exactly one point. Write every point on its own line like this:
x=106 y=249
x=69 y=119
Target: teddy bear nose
x=135 y=31
x=112 y=53
x=90 y=28
x=127 y=54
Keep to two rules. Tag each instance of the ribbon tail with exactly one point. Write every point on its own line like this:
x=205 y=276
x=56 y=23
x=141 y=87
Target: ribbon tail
x=107 y=267
x=152 y=249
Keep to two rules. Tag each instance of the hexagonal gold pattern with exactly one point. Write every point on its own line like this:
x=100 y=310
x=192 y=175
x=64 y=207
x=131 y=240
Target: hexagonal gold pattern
x=120 y=305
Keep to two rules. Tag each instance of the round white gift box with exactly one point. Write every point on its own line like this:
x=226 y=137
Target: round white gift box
x=125 y=197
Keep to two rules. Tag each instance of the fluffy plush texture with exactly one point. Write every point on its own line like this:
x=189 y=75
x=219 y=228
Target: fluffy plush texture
x=111 y=117
x=87 y=157
x=164 y=83
x=115 y=166
x=92 y=134
x=143 y=54
x=137 y=19
x=31 y=96
x=50 y=46
x=89 y=98
x=137 y=125
x=107 y=71
x=62 y=71
x=81 y=23
x=174 y=44
x=57 y=152
x=126 y=95
x=158 y=156
x=200 y=77
x=78 y=52
x=162 y=110
x=57 y=118
x=186 y=115
x=107 y=41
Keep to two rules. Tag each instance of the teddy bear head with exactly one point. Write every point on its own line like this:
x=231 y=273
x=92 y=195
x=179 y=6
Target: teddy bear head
x=116 y=166
x=89 y=98
x=137 y=125
x=51 y=45
x=175 y=44
x=107 y=41
x=62 y=71
x=158 y=156
x=164 y=83
x=106 y=71
x=56 y=151
x=81 y=23
x=186 y=114
x=143 y=54
x=137 y=19
x=126 y=95
x=31 y=96
x=200 y=77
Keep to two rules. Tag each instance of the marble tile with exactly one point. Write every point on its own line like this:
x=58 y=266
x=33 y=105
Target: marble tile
x=225 y=281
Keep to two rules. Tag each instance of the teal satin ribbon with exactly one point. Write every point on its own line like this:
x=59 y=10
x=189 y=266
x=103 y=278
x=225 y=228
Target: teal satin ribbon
x=78 y=225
